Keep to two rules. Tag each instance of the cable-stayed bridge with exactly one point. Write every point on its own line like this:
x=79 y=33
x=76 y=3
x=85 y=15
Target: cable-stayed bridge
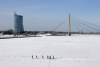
x=78 y=25
x=73 y=26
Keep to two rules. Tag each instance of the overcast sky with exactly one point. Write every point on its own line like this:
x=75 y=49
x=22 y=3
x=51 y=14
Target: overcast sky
x=47 y=14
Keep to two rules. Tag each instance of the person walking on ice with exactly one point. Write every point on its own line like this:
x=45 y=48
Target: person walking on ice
x=47 y=56
x=53 y=57
x=42 y=57
x=36 y=57
x=50 y=57
x=32 y=57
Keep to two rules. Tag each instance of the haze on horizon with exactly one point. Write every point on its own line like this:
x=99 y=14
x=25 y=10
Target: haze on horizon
x=44 y=15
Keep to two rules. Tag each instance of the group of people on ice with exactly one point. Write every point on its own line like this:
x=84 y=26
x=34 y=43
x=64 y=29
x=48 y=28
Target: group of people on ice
x=48 y=57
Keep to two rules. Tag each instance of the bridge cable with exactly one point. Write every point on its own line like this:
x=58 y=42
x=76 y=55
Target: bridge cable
x=87 y=25
x=81 y=26
x=86 y=22
x=75 y=26
x=59 y=25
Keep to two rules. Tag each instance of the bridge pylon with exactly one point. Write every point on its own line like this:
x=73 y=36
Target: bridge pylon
x=69 y=29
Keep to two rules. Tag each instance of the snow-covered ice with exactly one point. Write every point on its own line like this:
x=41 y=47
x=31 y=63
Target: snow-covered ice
x=69 y=51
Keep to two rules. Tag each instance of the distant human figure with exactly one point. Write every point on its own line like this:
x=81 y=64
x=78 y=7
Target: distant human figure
x=50 y=57
x=53 y=57
x=47 y=56
x=42 y=57
x=36 y=57
x=32 y=57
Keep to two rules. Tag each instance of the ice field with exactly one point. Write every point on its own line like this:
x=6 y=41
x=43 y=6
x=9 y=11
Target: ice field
x=68 y=51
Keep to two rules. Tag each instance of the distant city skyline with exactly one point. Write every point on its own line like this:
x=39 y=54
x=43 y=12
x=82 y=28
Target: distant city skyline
x=44 y=15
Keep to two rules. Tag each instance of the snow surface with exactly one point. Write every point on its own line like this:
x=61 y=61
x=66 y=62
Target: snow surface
x=69 y=51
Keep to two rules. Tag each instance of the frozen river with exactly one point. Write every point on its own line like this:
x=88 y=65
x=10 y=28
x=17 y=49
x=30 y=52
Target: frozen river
x=69 y=51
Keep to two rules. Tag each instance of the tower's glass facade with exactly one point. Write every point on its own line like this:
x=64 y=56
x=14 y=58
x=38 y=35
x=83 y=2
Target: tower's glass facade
x=18 y=23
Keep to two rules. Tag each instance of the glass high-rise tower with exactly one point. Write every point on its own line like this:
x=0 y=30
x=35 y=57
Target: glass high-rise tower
x=18 y=24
